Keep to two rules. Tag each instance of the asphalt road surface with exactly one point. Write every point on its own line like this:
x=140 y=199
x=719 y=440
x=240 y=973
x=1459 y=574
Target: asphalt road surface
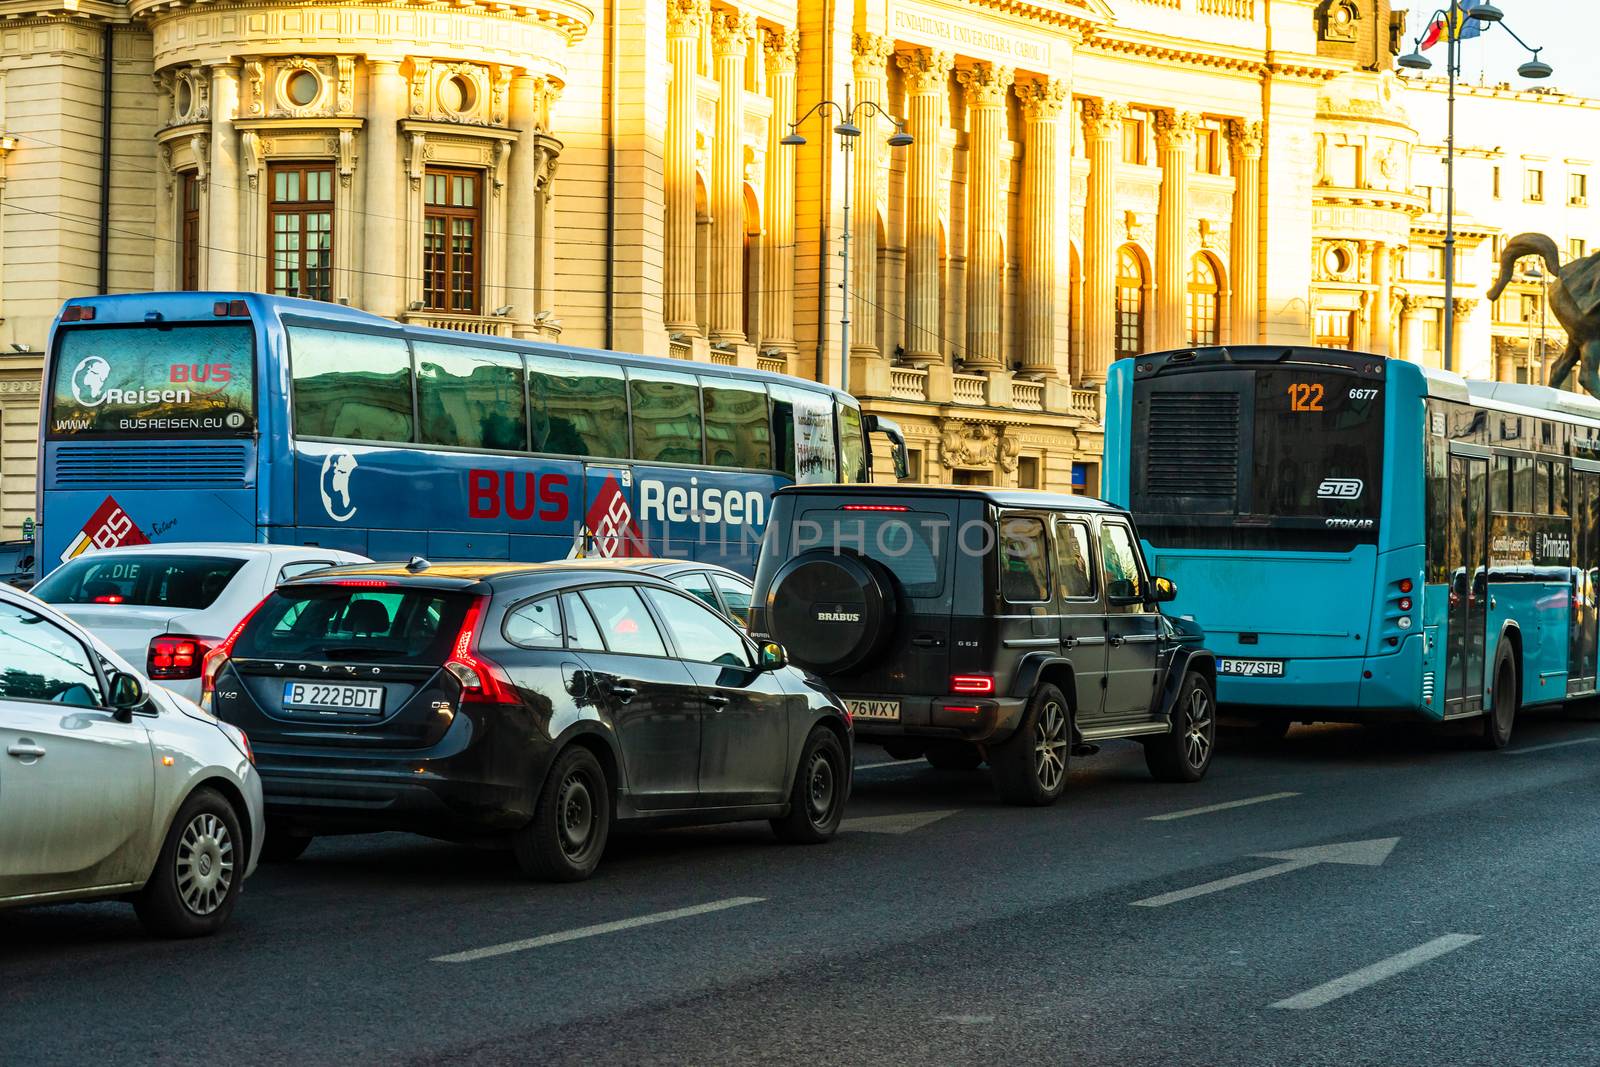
x=1347 y=896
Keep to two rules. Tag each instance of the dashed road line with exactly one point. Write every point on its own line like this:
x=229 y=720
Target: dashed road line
x=1371 y=975
x=1547 y=747
x=1226 y=806
x=597 y=930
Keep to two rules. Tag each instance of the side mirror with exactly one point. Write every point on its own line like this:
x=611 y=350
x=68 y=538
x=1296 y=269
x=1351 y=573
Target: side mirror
x=1163 y=590
x=773 y=657
x=127 y=693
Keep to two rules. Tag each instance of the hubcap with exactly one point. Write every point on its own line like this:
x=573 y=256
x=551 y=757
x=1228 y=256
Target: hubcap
x=1197 y=736
x=819 y=789
x=1050 y=746
x=577 y=815
x=205 y=864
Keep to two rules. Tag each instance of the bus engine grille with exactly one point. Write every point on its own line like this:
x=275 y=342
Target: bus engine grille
x=1193 y=445
x=157 y=466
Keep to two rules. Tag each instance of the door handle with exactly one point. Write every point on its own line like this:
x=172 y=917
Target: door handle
x=927 y=641
x=623 y=693
x=25 y=750
x=717 y=700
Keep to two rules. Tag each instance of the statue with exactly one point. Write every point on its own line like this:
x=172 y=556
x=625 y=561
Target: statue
x=1574 y=298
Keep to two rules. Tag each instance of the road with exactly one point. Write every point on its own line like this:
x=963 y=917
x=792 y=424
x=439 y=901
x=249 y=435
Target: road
x=1121 y=927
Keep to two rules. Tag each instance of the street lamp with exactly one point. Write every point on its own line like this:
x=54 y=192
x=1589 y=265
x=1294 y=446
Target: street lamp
x=1415 y=60
x=848 y=129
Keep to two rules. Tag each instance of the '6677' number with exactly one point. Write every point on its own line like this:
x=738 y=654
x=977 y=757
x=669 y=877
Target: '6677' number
x=1363 y=394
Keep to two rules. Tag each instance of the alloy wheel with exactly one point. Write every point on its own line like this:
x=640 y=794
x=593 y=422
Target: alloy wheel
x=820 y=788
x=576 y=807
x=1050 y=746
x=204 y=863
x=1198 y=731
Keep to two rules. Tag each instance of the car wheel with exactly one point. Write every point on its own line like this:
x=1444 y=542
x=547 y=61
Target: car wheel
x=1183 y=753
x=283 y=845
x=1030 y=767
x=954 y=756
x=571 y=822
x=1502 y=713
x=821 y=787
x=199 y=872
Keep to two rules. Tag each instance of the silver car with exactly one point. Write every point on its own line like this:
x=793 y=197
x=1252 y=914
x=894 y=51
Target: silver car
x=113 y=787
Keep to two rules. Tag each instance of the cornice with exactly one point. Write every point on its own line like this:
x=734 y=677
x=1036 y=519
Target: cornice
x=1084 y=16
x=34 y=11
x=1391 y=200
x=567 y=17
x=1147 y=45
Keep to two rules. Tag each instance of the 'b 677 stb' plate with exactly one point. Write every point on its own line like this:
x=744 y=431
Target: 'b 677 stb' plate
x=874 y=710
x=1251 y=668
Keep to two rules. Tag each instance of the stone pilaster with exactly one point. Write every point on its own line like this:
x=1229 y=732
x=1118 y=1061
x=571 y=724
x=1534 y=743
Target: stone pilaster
x=1175 y=152
x=224 y=188
x=380 y=245
x=684 y=21
x=781 y=46
x=522 y=208
x=987 y=88
x=1244 y=142
x=730 y=37
x=1102 y=136
x=1042 y=102
x=1382 y=297
x=927 y=76
x=871 y=63
x=1411 y=309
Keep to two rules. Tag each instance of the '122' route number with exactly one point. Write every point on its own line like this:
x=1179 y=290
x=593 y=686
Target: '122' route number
x=1305 y=396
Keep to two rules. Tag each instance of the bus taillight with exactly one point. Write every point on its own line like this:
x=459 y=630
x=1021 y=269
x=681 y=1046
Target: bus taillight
x=1405 y=587
x=225 y=309
x=77 y=313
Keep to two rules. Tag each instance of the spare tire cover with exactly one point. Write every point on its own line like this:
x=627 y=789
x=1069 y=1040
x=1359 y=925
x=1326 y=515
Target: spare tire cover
x=830 y=612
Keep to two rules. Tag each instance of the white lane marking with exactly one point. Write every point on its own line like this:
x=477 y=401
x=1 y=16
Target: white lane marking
x=890 y=763
x=1370 y=853
x=1209 y=808
x=900 y=823
x=595 y=931
x=1375 y=973
x=1552 y=744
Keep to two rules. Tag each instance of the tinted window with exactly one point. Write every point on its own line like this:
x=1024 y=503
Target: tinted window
x=1544 y=477
x=1120 y=560
x=184 y=381
x=911 y=545
x=852 y=446
x=1521 y=484
x=1318 y=449
x=350 y=385
x=577 y=408
x=157 y=581
x=41 y=661
x=581 y=629
x=802 y=434
x=666 y=416
x=738 y=430
x=1074 y=562
x=1024 y=560
x=697 y=585
x=352 y=623
x=1500 y=483
x=699 y=633
x=624 y=622
x=471 y=398
x=535 y=625
x=295 y=570
x=735 y=594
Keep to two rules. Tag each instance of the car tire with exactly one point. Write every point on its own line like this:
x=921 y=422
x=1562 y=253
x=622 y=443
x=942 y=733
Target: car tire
x=821 y=787
x=1183 y=753
x=571 y=823
x=199 y=872
x=1501 y=715
x=954 y=756
x=1030 y=767
x=282 y=845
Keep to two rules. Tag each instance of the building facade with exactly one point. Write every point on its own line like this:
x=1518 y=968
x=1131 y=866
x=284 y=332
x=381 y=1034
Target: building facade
x=1086 y=179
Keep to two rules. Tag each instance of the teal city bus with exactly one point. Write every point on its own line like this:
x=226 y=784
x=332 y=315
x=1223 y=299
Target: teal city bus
x=1364 y=539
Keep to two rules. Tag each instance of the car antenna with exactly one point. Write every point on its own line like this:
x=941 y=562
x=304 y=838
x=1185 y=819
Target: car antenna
x=417 y=565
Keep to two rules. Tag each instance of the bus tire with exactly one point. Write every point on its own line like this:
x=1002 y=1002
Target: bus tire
x=1029 y=768
x=1501 y=714
x=1183 y=754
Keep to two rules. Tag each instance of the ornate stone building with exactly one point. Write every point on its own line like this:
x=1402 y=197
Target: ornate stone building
x=1086 y=179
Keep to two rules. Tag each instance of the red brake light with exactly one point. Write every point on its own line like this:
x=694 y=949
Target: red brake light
x=875 y=507
x=1405 y=585
x=482 y=680
x=213 y=661
x=360 y=583
x=1405 y=603
x=108 y=598
x=174 y=656
x=78 y=313
x=973 y=684
x=970 y=709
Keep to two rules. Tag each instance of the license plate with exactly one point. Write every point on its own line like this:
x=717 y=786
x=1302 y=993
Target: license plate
x=1251 y=668
x=324 y=696
x=874 y=710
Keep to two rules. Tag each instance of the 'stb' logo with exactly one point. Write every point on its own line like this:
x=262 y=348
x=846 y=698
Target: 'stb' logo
x=1340 y=489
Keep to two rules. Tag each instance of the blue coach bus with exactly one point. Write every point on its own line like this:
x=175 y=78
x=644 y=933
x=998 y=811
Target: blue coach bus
x=1362 y=538
x=243 y=417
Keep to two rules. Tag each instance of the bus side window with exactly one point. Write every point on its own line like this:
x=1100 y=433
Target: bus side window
x=666 y=417
x=738 y=430
x=353 y=386
x=1521 y=484
x=1544 y=476
x=1500 y=484
x=470 y=398
x=852 y=446
x=577 y=408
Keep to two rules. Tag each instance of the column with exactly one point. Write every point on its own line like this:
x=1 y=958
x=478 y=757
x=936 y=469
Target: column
x=777 y=251
x=1175 y=152
x=730 y=37
x=1411 y=309
x=684 y=19
x=522 y=205
x=988 y=87
x=1505 y=365
x=547 y=152
x=927 y=74
x=872 y=54
x=1244 y=141
x=1102 y=134
x=224 y=188
x=381 y=259
x=1381 y=329
x=1042 y=102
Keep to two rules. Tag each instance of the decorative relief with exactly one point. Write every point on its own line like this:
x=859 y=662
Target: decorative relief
x=255 y=80
x=191 y=96
x=500 y=95
x=968 y=445
x=1010 y=452
x=344 y=148
x=346 y=103
x=416 y=159
x=200 y=147
x=1043 y=100
x=782 y=47
x=731 y=33
x=987 y=85
x=250 y=150
x=871 y=52
x=302 y=86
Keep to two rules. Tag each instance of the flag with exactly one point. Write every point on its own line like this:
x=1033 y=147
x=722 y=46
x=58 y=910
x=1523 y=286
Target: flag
x=1454 y=23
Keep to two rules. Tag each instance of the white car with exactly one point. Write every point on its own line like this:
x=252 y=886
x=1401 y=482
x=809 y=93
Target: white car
x=166 y=606
x=113 y=787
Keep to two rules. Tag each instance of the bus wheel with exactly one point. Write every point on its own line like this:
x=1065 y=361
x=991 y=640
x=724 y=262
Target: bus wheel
x=1502 y=713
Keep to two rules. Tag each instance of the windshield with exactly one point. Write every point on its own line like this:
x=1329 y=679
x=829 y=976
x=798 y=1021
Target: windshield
x=339 y=622
x=187 y=381
x=151 y=580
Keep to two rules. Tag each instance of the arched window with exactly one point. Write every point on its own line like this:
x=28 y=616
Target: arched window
x=1203 y=290
x=1130 y=302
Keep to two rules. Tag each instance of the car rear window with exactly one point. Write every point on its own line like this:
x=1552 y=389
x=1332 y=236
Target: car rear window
x=142 y=578
x=911 y=545
x=338 y=622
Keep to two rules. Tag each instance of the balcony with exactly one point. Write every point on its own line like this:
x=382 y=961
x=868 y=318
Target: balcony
x=908 y=383
x=490 y=325
x=1026 y=395
x=1086 y=402
x=968 y=388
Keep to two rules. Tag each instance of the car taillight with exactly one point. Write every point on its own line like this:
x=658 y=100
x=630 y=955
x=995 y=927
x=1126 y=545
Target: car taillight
x=876 y=507
x=482 y=680
x=218 y=657
x=972 y=684
x=172 y=656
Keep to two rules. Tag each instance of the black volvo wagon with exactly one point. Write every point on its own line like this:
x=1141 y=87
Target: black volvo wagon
x=529 y=703
x=969 y=625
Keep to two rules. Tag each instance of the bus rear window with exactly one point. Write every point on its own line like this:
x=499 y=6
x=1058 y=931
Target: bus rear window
x=171 y=381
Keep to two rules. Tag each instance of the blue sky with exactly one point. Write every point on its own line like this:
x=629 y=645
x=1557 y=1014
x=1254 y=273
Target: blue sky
x=1565 y=29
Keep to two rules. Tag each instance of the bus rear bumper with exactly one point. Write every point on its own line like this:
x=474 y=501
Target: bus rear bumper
x=1352 y=688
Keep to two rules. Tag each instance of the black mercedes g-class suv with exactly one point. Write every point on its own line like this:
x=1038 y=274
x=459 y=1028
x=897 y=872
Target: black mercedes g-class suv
x=972 y=624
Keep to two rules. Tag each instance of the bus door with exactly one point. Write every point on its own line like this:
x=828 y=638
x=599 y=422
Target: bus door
x=1585 y=573
x=1468 y=558
x=610 y=526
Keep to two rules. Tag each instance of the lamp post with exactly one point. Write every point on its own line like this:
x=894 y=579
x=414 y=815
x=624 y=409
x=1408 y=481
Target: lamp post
x=1535 y=275
x=1533 y=68
x=848 y=128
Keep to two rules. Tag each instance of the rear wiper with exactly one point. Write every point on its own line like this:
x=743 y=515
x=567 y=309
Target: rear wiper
x=362 y=652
